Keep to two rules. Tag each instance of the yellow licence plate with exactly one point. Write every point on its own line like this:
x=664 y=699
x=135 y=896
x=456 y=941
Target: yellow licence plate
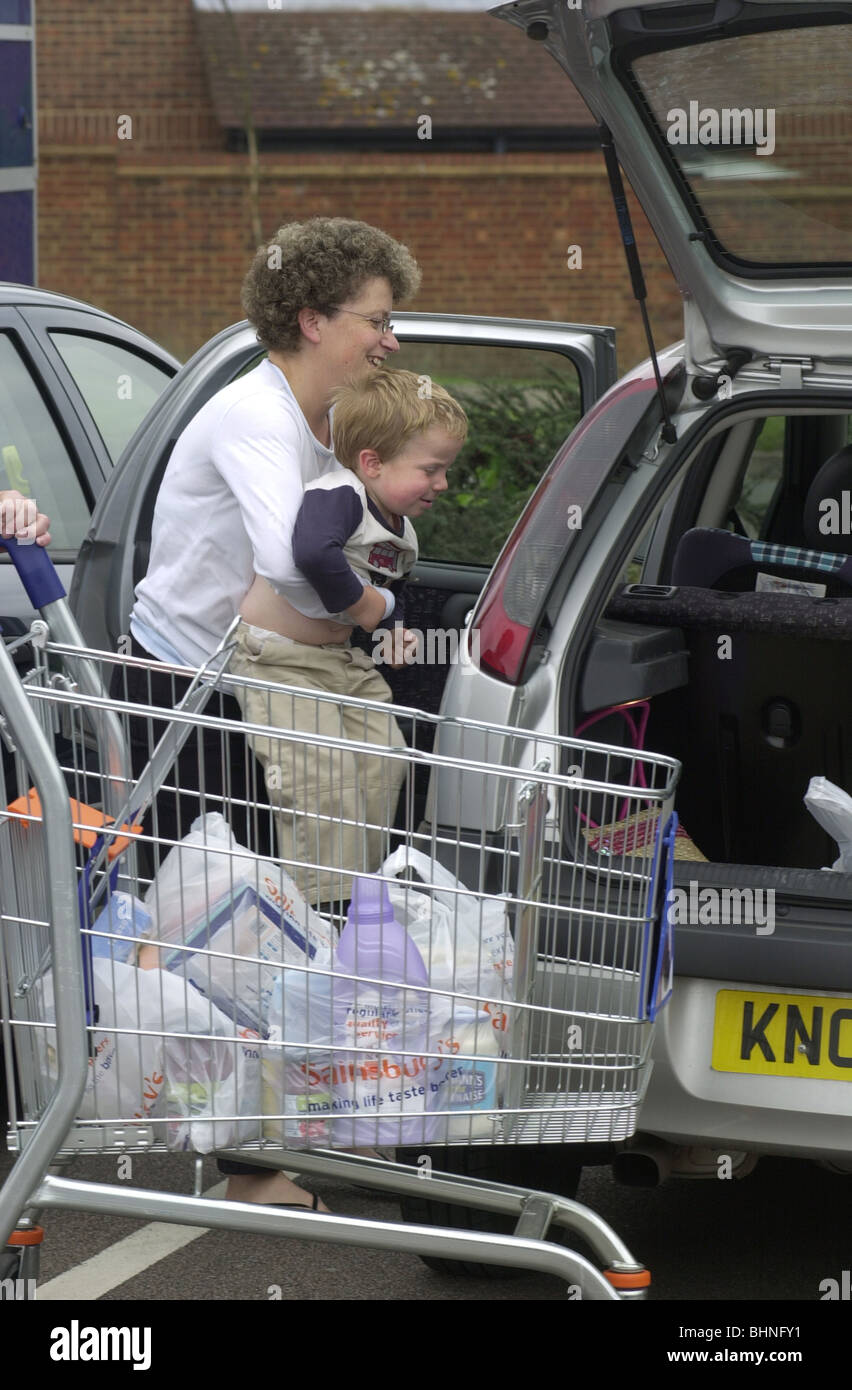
x=783 y=1034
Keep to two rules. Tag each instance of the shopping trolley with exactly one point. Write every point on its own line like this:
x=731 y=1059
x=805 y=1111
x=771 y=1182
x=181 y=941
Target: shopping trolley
x=505 y=994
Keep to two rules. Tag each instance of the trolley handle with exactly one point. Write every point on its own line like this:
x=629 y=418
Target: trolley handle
x=35 y=570
x=46 y=592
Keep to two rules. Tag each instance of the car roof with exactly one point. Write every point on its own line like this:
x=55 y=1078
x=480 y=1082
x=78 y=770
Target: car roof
x=12 y=294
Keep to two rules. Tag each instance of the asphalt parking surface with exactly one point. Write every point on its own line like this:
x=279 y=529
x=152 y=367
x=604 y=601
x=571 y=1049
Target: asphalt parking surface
x=776 y=1235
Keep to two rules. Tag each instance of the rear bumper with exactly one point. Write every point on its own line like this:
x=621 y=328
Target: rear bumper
x=688 y=1102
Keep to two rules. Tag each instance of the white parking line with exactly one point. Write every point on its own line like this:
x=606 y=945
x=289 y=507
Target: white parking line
x=123 y=1260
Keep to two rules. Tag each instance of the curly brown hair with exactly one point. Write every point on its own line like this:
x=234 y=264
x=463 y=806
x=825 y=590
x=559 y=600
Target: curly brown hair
x=318 y=264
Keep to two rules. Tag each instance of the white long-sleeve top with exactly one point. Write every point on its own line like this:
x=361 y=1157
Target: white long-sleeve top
x=225 y=512
x=341 y=542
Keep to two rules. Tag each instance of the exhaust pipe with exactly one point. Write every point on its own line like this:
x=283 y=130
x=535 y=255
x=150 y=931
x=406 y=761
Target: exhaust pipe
x=646 y=1164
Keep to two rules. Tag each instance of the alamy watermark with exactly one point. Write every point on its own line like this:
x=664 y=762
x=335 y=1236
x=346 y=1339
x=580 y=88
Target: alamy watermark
x=17 y=1290
x=728 y=125
x=83 y=1343
x=18 y=518
x=723 y=907
x=835 y=515
x=834 y=1290
x=437 y=646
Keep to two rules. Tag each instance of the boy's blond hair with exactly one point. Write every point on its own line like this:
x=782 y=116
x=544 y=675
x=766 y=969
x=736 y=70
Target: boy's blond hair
x=386 y=410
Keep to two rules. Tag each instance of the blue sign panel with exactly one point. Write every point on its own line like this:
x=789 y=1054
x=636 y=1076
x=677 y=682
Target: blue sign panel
x=17 y=241
x=16 y=12
x=17 y=147
x=16 y=104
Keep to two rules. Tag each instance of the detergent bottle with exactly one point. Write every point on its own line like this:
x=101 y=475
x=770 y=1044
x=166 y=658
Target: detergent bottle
x=380 y=1082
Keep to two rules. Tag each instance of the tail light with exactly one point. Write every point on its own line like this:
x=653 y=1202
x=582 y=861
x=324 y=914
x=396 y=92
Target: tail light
x=512 y=604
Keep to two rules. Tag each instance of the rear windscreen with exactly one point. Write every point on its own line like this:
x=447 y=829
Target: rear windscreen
x=759 y=128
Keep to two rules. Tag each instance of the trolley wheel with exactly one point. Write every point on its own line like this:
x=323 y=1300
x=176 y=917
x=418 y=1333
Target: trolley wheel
x=542 y=1167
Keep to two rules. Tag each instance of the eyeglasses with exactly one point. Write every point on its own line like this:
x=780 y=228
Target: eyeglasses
x=381 y=322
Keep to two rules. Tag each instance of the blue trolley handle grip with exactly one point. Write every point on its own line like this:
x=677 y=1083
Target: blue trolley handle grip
x=36 y=571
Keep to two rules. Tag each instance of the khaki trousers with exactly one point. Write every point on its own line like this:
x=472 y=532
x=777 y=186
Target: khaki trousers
x=333 y=807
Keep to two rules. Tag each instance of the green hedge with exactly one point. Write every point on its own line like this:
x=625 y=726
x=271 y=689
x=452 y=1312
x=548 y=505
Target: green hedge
x=516 y=428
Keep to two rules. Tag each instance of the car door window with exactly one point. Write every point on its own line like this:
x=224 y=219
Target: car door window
x=118 y=385
x=521 y=403
x=761 y=480
x=33 y=456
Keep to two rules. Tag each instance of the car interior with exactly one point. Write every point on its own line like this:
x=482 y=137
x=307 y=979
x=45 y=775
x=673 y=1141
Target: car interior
x=738 y=639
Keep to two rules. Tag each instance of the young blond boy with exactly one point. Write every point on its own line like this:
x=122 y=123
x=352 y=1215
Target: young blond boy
x=354 y=543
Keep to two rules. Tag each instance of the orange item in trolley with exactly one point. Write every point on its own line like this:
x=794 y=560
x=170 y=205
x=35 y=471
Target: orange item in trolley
x=88 y=823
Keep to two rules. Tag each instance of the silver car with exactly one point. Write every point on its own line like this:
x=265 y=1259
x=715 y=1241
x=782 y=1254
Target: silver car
x=75 y=383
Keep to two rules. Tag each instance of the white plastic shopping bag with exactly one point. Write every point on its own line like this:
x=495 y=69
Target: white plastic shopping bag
x=194 y=876
x=209 y=867
x=212 y=1078
x=831 y=807
x=297 y=1059
x=160 y=1051
x=464 y=939
x=231 y=920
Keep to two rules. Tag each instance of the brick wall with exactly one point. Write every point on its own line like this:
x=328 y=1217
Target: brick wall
x=164 y=242
x=97 y=59
x=156 y=228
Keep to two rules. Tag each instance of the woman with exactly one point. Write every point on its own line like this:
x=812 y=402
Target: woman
x=320 y=296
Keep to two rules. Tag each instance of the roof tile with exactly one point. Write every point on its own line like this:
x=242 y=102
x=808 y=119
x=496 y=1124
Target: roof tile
x=363 y=70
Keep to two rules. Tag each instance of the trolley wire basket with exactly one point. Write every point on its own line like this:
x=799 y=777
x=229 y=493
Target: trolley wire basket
x=420 y=944
x=554 y=978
